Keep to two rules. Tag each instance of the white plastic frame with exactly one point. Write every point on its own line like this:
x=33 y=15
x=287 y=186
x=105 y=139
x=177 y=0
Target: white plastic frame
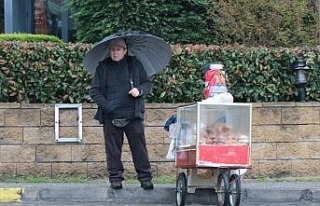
x=57 y=122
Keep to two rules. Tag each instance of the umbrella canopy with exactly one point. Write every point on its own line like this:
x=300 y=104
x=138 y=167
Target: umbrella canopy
x=152 y=51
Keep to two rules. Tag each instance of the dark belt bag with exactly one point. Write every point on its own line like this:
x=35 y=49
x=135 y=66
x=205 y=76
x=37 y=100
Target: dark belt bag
x=120 y=122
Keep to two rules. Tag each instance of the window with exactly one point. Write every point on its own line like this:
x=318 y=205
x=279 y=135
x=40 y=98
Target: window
x=50 y=17
x=1 y=16
x=36 y=16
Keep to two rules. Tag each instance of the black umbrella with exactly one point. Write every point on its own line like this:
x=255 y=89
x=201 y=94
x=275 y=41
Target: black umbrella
x=152 y=51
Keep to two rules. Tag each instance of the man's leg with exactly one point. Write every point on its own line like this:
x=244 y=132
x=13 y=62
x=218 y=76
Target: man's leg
x=113 y=145
x=137 y=142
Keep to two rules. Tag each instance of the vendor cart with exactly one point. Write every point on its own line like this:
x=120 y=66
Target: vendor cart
x=212 y=150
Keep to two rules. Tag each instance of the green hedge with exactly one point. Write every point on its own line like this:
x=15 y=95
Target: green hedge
x=54 y=73
x=29 y=37
x=43 y=72
x=254 y=74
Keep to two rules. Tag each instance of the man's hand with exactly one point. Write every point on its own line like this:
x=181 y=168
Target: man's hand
x=134 y=92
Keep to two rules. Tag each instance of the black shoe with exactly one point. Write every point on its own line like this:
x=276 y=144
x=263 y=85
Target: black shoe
x=147 y=185
x=116 y=185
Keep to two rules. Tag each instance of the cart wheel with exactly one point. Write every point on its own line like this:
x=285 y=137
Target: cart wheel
x=181 y=189
x=222 y=189
x=234 y=190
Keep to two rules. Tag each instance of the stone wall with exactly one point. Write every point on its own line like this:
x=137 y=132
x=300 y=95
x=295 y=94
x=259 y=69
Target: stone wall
x=285 y=141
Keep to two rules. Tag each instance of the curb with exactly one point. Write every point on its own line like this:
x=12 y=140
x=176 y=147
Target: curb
x=280 y=196
x=162 y=194
x=10 y=195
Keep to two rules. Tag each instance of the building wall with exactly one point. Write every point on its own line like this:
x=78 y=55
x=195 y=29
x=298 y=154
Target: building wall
x=285 y=141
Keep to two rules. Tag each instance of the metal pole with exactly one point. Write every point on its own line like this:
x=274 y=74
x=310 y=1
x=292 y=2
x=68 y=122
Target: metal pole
x=302 y=92
x=319 y=21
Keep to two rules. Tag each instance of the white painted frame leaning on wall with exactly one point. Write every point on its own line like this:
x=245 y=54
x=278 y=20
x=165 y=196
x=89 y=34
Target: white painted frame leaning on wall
x=57 y=122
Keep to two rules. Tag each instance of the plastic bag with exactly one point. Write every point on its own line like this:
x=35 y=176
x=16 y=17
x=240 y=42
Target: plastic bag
x=215 y=80
x=172 y=137
x=171 y=151
x=225 y=97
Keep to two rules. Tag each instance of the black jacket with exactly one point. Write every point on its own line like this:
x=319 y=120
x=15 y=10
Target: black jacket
x=99 y=88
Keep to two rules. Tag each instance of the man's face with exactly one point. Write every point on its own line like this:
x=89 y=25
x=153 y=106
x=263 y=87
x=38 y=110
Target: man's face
x=117 y=53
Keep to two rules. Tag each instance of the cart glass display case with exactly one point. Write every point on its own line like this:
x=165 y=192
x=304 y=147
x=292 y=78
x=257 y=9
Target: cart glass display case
x=214 y=135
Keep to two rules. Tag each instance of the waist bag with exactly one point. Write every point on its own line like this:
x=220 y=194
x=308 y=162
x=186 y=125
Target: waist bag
x=120 y=122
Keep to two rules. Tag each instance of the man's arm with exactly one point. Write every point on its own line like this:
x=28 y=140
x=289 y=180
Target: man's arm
x=95 y=90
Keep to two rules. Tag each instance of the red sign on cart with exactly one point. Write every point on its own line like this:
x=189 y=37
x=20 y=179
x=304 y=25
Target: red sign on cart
x=214 y=156
x=224 y=154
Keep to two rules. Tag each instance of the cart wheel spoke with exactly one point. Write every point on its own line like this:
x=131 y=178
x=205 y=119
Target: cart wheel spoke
x=234 y=190
x=223 y=189
x=181 y=189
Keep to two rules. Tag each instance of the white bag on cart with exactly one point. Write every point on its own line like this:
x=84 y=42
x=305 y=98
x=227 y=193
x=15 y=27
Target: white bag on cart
x=172 y=137
x=224 y=97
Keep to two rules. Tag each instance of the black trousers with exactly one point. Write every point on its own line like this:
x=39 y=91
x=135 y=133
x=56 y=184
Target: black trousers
x=114 y=137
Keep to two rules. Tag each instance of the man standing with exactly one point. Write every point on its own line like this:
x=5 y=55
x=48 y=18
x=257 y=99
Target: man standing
x=119 y=87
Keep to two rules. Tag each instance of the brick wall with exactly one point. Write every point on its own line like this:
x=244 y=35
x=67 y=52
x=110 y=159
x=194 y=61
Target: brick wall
x=285 y=141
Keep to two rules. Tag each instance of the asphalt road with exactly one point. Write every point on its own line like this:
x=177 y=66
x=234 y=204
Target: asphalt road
x=112 y=204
